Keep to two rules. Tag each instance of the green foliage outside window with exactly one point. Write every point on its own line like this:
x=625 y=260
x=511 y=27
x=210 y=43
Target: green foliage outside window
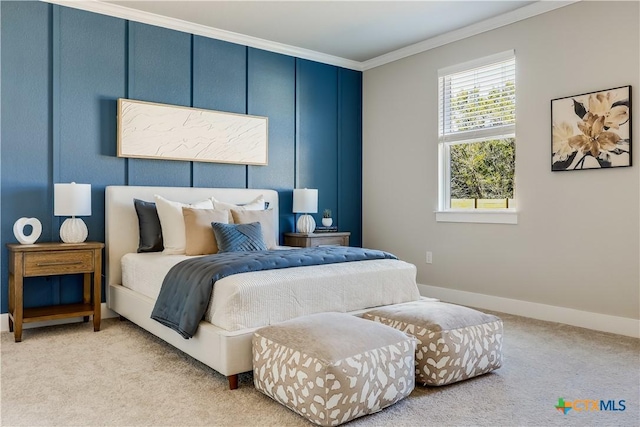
x=485 y=169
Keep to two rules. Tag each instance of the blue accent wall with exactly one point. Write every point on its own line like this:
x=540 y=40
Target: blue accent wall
x=159 y=70
x=271 y=93
x=26 y=131
x=349 y=213
x=219 y=83
x=62 y=73
x=317 y=131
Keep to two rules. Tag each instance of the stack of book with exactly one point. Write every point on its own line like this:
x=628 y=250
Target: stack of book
x=323 y=229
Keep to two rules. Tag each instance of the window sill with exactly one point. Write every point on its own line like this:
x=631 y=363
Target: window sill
x=489 y=216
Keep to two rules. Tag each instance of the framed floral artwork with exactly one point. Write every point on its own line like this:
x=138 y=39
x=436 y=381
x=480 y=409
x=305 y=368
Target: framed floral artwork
x=591 y=130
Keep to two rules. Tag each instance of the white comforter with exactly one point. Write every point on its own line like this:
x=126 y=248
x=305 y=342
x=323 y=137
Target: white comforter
x=261 y=298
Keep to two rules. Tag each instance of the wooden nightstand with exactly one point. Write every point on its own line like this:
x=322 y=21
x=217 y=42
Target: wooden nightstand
x=303 y=240
x=51 y=259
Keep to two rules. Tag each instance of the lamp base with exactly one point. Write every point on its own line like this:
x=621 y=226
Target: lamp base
x=73 y=230
x=306 y=224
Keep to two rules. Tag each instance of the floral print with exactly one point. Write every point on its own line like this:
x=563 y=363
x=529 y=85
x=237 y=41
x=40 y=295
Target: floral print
x=591 y=130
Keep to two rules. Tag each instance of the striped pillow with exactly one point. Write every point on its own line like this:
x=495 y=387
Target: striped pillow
x=239 y=237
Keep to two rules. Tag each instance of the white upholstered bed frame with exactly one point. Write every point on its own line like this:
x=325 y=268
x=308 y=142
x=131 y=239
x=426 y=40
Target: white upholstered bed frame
x=227 y=352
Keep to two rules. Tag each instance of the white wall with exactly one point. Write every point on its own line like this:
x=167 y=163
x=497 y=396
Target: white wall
x=577 y=243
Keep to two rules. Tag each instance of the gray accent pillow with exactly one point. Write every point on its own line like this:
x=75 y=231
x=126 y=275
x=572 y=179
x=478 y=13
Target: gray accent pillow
x=239 y=237
x=149 y=227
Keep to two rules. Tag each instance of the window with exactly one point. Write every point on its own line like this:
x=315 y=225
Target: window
x=477 y=138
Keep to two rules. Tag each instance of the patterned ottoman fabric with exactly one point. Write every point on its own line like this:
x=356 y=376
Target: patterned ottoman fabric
x=454 y=342
x=333 y=367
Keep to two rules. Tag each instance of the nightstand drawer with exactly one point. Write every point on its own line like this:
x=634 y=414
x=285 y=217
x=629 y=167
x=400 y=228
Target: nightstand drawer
x=330 y=241
x=303 y=240
x=58 y=262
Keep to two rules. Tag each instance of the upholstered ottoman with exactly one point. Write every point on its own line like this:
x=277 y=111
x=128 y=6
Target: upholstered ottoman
x=333 y=367
x=454 y=342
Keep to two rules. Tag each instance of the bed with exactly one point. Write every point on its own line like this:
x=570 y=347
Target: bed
x=241 y=303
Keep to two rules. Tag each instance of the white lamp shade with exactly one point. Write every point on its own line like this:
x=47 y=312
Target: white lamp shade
x=72 y=199
x=305 y=200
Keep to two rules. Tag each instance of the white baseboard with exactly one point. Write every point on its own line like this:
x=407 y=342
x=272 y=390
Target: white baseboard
x=105 y=313
x=550 y=313
x=569 y=316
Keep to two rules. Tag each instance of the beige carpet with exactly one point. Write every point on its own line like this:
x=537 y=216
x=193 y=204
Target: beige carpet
x=69 y=375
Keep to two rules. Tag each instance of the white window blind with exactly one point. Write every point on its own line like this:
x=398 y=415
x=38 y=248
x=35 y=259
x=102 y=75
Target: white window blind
x=477 y=99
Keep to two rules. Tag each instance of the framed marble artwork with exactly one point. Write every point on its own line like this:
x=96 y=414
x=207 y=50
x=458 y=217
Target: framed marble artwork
x=160 y=131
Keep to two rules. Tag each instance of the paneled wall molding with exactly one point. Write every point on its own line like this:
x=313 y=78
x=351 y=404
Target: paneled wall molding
x=55 y=112
x=59 y=98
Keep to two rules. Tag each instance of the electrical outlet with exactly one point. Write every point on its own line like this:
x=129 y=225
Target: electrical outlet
x=429 y=257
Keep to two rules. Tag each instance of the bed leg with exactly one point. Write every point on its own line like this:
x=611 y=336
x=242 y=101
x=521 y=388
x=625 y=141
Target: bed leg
x=233 y=381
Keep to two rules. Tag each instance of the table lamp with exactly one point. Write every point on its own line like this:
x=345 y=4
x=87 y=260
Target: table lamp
x=72 y=200
x=305 y=201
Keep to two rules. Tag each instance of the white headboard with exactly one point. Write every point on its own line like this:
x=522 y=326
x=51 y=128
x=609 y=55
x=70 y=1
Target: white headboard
x=121 y=220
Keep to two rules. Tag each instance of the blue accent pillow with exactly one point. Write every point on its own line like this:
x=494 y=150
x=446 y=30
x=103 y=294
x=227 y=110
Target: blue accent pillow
x=239 y=237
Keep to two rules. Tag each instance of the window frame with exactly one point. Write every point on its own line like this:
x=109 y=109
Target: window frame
x=445 y=213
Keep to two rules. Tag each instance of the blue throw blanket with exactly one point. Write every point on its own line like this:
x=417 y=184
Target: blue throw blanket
x=187 y=288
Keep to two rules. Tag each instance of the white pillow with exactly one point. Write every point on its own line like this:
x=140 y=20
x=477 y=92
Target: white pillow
x=172 y=222
x=266 y=218
x=255 y=205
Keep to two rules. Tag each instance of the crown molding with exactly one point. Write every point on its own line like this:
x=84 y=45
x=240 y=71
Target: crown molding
x=123 y=12
x=525 y=12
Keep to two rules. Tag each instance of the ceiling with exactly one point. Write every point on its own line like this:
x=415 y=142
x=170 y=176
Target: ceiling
x=355 y=34
x=354 y=30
